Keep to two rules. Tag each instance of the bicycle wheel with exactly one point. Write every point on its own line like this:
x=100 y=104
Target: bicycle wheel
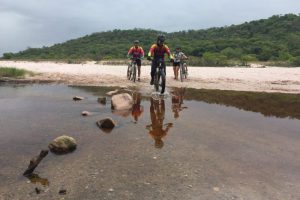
x=181 y=72
x=134 y=72
x=162 y=81
x=129 y=72
x=185 y=71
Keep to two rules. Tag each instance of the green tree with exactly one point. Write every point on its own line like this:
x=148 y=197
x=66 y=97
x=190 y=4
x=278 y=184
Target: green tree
x=8 y=56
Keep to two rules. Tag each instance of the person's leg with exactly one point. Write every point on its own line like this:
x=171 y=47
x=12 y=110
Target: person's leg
x=174 y=70
x=139 y=63
x=186 y=69
x=177 y=70
x=164 y=67
x=153 y=68
x=139 y=72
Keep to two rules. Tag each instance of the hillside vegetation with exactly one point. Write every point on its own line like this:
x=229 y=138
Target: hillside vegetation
x=276 y=40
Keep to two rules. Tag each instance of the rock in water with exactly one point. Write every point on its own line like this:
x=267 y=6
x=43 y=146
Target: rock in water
x=122 y=101
x=102 y=100
x=62 y=145
x=62 y=191
x=106 y=124
x=85 y=113
x=110 y=93
x=77 y=98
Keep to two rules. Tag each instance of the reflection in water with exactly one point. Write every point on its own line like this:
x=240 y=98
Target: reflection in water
x=123 y=113
x=158 y=129
x=177 y=101
x=137 y=108
x=269 y=104
x=35 y=178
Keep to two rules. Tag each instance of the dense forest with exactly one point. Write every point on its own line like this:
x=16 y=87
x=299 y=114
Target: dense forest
x=274 y=40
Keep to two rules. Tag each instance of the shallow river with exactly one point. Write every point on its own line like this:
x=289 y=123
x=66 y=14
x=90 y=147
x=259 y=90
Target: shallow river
x=194 y=144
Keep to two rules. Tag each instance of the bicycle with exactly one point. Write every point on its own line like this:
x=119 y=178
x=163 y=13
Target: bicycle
x=160 y=77
x=183 y=71
x=131 y=70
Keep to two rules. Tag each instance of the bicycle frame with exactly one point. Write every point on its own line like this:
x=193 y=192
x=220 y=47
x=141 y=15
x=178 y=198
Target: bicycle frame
x=160 y=76
x=131 y=71
x=183 y=70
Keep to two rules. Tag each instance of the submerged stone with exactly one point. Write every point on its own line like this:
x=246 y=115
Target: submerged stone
x=78 y=98
x=63 y=144
x=62 y=191
x=85 y=113
x=106 y=124
x=102 y=100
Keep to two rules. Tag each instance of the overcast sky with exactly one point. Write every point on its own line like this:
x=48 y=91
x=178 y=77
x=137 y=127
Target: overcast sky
x=37 y=23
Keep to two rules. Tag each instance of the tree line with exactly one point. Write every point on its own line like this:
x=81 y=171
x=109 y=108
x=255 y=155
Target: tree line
x=276 y=40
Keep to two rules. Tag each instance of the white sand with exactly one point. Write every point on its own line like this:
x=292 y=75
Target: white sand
x=269 y=79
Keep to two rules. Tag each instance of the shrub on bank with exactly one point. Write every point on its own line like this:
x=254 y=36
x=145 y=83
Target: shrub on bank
x=13 y=72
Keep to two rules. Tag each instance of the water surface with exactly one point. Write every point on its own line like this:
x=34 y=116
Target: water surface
x=195 y=144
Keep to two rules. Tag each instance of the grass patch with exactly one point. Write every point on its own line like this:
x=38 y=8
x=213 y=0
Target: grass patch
x=14 y=72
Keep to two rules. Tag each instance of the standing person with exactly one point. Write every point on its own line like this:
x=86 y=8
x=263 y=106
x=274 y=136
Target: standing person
x=157 y=51
x=179 y=56
x=136 y=52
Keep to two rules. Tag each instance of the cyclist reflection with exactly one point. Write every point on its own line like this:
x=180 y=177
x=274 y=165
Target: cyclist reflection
x=177 y=101
x=137 y=108
x=158 y=129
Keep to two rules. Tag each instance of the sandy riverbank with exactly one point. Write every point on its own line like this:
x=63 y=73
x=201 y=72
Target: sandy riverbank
x=268 y=79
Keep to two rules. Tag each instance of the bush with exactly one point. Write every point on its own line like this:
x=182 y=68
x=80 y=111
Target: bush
x=247 y=58
x=232 y=53
x=13 y=72
x=8 y=56
x=214 y=59
x=295 y=61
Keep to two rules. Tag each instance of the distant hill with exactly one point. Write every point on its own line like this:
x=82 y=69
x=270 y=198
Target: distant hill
x=274 y=39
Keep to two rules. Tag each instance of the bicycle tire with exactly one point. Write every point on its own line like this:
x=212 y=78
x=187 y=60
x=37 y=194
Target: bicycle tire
x=162 y=81
x=181 y=72
x=128 y=72
x=185 y=71
x=134 y=73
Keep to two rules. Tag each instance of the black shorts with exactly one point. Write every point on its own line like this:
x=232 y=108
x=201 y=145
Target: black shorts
x=176 y=64
x=138 y=62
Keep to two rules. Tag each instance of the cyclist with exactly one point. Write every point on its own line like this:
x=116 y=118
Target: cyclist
x=177 y=101
x=157 y=51
x=136 y=52
x=179 y=56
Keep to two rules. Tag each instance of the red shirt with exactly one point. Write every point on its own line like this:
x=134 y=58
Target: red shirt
x=136 y=52
x=159 y=52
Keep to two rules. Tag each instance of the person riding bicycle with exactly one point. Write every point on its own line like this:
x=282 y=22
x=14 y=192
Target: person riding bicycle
x=157 y=51
x=136 y=52
x=179 y=56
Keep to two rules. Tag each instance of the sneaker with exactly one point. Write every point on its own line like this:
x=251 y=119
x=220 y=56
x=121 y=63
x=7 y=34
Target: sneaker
x=151 y=82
